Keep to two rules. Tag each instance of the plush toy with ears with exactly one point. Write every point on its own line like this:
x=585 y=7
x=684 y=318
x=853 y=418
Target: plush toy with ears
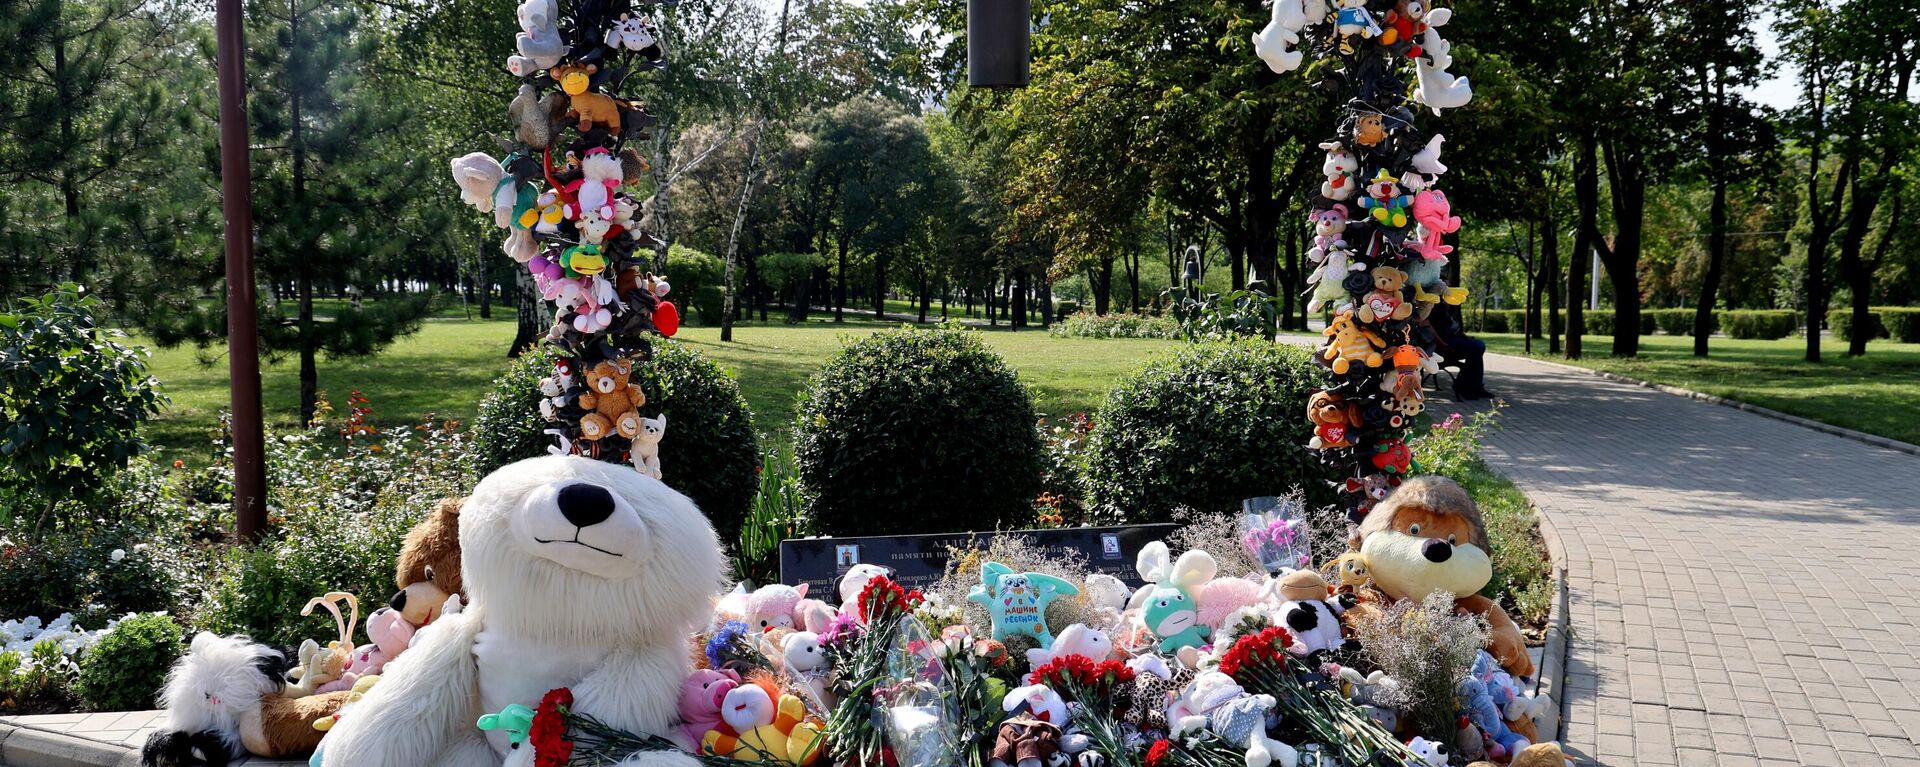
x=1274 y=43
x=1347 y=341
x=539 y=45
x=1169 y=603
x=1385 y=302
x=1018 y=601
x=646 y=445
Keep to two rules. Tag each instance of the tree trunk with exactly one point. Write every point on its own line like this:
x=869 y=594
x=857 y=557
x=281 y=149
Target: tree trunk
x=1536 y=280
x=926 y=299
x=879 y=287
x=840 y=283
x=1586 y=194
x=1102 y=284
x=1019 y=304
x=1550 y=278
x=1716 y=262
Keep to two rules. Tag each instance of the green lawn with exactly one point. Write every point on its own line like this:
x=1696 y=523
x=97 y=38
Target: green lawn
x=1878 y=393
x=445 y=368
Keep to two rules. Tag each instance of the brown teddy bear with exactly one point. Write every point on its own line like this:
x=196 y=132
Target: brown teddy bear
x=1333 y=419
x=614 y=400
x=428 y=570
x=1385 y=302
x=1428 y=537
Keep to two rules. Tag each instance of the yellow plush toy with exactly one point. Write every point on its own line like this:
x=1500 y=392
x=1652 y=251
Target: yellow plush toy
x=1347 y=341
x=782 y=735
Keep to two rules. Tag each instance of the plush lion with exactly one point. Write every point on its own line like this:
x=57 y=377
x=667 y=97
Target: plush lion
x=1428 y=537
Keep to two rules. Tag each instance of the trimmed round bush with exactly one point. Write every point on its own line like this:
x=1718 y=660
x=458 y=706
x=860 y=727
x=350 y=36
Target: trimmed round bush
x=126 y=668
x=1204 y=428
x=1765 y=324
x=917 y=431
x=710 y=451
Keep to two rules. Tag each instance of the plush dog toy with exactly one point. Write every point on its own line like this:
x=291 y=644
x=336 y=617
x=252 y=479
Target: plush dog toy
x=225 y=699
x=1333 y=420
x=427 y=572
x=1427 y=537
x=582 y=574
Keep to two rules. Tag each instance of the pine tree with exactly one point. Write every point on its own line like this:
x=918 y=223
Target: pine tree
x=96 y=101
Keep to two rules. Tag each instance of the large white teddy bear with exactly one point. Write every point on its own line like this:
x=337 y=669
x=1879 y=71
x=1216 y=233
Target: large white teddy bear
x=579 y=574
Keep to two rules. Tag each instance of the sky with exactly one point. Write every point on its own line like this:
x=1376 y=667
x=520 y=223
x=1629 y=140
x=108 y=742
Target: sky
x=1779 y=89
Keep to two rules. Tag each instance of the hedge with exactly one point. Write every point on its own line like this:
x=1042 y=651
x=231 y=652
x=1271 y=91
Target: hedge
x=1901 y=323
x=1736 y=323
x=1203 y=428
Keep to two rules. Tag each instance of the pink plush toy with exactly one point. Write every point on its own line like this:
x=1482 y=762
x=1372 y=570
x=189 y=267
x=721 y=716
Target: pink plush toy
x=1221 y=596
x=700 y=698
x=774 y=606
x=391 y=634
x=814 y=615
x=1435 y=215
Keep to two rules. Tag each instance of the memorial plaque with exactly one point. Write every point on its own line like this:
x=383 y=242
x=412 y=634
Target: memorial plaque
x=920 y=560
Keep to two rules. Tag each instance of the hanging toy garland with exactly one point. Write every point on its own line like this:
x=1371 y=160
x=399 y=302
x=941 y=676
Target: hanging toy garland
x=1379 y=224
x=563 y=194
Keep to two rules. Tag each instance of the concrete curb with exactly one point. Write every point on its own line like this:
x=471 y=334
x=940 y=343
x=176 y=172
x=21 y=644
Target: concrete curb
x=1824 y=428
x=24 y=746
x=1551 y=677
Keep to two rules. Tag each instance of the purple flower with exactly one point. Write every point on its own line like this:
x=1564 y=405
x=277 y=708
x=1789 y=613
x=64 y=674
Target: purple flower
x=727 y=635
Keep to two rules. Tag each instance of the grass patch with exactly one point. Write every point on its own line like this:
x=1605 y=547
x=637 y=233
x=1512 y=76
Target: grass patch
x=444 y=370
x=1522 y=571
x=1876 y=393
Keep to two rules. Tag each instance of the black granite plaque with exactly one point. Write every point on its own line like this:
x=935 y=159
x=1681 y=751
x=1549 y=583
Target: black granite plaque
x=919 y=560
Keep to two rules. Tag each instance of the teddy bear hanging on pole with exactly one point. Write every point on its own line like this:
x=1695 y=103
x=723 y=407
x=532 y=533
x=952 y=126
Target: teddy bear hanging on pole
x=565 y=195
x=1378 y=260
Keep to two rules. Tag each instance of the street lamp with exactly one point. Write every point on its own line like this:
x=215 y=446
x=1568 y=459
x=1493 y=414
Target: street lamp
x=999 y=34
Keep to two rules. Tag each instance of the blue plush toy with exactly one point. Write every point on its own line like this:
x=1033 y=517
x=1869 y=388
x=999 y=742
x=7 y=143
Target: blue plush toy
x=1018 y=601
x=1477 y=700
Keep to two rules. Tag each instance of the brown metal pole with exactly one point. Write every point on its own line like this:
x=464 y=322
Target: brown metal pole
x=243 y=340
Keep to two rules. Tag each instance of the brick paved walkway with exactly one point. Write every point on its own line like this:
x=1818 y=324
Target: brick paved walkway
x=1742 y=589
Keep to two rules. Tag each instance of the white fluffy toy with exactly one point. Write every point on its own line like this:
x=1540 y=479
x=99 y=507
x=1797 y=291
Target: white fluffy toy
x=579 y=574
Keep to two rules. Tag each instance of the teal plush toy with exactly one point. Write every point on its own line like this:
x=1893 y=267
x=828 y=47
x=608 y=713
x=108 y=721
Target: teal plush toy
x=1018 y=601
x=515 y=720
x=1168 y=604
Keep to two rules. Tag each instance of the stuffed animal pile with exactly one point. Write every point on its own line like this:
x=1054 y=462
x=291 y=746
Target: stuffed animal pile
x=563 y=195
x=1379 y=221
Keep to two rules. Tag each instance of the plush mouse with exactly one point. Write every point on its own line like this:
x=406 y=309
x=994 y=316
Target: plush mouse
x=582 y=574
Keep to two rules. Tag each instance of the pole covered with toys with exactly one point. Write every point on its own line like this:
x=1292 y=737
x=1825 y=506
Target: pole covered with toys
x=1380 y=221
x=564 y=194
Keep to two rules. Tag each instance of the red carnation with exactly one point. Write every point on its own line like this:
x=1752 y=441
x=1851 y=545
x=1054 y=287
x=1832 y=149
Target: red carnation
x=1157 y=753
x=548 y=734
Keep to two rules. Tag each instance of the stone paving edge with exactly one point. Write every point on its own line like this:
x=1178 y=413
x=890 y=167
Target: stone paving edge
x=26 y=746
x=1825 y=428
